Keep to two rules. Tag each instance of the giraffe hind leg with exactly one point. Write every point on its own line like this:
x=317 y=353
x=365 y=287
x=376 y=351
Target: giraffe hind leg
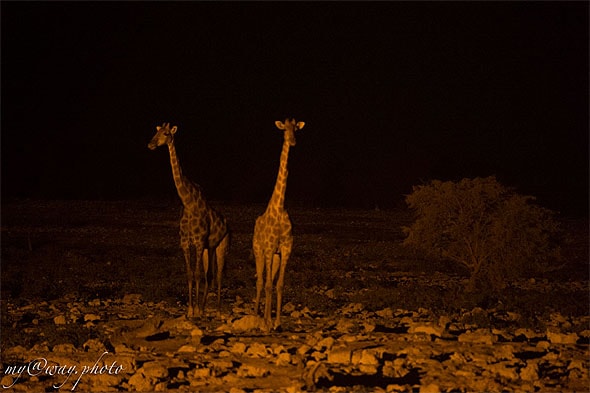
x=189 y=274
x=205 y=279
x=220 y=254
x=285 y=254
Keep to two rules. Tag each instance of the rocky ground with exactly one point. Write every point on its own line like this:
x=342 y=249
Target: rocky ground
x=89 y=304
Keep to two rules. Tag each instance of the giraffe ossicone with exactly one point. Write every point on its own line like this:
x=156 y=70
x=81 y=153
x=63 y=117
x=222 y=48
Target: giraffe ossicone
x=273 y=239
x=203 y=231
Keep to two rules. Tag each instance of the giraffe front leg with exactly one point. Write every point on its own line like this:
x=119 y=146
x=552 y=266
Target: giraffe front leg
x=285 y=253
x=269 y=259
x=259 y=279
x=189 y=274
x=206 y=278
x=199 y=258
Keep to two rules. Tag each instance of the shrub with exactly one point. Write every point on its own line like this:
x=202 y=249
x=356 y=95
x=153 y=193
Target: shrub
x=485 y=227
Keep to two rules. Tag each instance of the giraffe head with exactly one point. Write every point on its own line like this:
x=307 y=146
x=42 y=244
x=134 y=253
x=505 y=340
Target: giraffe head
x=289 y=126
x=164 y=135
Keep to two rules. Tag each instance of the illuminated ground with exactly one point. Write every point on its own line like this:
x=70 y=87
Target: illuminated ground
x=362 y=313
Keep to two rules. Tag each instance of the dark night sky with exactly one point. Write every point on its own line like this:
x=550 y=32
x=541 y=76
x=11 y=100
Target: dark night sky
x=393 y=94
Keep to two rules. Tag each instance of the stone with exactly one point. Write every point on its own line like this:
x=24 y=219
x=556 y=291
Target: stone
x=561 y=338
x=386 y=313
x=94 y=345
x=345 y=325
x=340 y=355
x=200 y=373
x=530 y=372
x=364 y=356
x=238 y=348
x=187 y=348
x=131 y=298
x=257 y=350
x=248 y=323
x=426 y=328
x=283 y=359
x=249 y=371
x=59 y=320
x=64 y=348
x=430 y=388
x=479 y=336
x=91 y=318
x=140 y=383
x=154 y=370
x=324 y=344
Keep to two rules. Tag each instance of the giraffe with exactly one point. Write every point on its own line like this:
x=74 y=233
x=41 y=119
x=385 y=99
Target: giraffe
x=273 y=240
x=201 y=227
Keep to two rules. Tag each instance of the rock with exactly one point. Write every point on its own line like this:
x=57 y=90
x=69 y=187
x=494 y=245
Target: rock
x=257 y=350
x=395 y=388
x=94 y=345
x=386 y=313
x=15 y=351
x=64 y=348
x=284 y=359
x=249 y=371
x=238 y=348
x=544 y=345
x=480 y=336
x=131 y=298
x=364 y=356
x=430 y=388
x=187 y=348
x=561 y=338
x=368 y=369
x=140 y=383
x=345 y=325
x=288 y=308
x=340 y=355
x=59 y=320
x=426 y=328
x=504 y=352
x=248 y=323
x=200 y=373
x=352 y=308
x=526 y=333
x=504 y=370
x=154 y=370
x=303 y=349
x=106 y=380
x=91 y=318
x=324 y=344
x=530 y=372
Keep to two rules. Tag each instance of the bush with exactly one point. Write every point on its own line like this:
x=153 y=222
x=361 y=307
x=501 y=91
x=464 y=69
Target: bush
x=485 y=227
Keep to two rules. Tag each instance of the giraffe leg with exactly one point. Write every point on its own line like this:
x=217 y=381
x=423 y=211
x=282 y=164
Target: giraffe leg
x=189 y=274
x=220 y=252
x=199 y=258
x=270 y=259
x=259 y=256
x=206 y=279
x=285 y=253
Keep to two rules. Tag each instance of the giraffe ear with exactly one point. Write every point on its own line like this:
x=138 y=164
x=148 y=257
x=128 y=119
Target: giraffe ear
x=300 y=125
x=158 y=128
x=280 y=125
x=173 y=130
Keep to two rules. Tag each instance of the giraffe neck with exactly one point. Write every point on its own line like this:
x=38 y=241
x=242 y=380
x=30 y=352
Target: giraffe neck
x=277 y=199
x=179 y=180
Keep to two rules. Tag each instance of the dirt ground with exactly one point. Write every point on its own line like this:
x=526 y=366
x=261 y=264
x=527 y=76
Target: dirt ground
x=93 y=298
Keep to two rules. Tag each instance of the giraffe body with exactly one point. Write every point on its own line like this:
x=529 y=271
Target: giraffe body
x=273 y=238
x=204 y=235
